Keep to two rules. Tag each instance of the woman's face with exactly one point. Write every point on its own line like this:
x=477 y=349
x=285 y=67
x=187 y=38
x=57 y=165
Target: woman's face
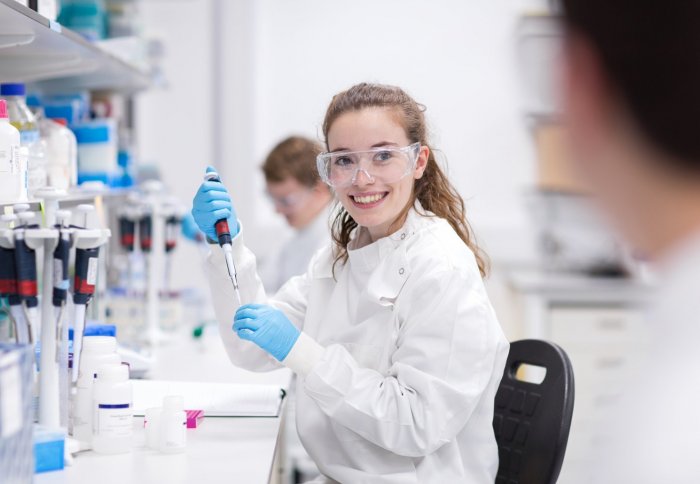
x=374 y=204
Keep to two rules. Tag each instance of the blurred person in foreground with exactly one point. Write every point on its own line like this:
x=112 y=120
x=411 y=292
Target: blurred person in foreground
x=295 y=188
x=631 y=93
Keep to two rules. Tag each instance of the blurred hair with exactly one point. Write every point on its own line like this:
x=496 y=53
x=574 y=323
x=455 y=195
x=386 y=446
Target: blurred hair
x=294 y=157
x=434 y=191
x=650 y=52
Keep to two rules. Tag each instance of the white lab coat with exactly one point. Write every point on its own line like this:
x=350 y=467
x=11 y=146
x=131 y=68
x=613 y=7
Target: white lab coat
x=399 y=358
x=654 y=430
x=293 y=258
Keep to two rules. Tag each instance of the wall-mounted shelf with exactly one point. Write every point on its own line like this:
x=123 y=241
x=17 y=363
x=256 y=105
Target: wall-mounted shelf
x=34 y=49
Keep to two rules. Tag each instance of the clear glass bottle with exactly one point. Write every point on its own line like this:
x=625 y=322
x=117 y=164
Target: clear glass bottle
x=61 y=152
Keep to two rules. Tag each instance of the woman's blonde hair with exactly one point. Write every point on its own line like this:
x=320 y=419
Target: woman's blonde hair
x=434 y=191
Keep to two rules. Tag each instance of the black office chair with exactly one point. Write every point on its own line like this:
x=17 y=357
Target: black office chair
x=532 y=421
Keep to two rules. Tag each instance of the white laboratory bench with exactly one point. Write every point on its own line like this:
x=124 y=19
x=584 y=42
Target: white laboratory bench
x=230 y=450
x=222 y=449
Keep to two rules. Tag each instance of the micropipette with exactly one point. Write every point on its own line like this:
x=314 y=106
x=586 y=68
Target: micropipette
x=86 y=261
x=223 y=234
x=61 y=281
x=25 y=266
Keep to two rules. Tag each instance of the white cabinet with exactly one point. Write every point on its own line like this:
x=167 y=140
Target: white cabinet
x=600 y=325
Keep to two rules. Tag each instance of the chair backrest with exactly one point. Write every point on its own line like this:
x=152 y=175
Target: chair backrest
x=531 y=420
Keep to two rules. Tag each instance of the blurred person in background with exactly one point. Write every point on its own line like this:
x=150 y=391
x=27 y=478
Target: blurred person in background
x=295 y=188
x=632 y=105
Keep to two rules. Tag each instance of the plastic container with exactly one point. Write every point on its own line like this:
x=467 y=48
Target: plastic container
x=87 y=17
x=13 y=180
x=173 y=425
x=61 y=154
x=113 y=414
x=25 y=122
x=49 y=447
x=97 y=151
x=97 y=351
x=151 y=422
x=61 y=148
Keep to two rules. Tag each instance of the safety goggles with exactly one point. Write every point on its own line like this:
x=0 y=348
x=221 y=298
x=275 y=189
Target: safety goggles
x=389 y=165
x=291 y=202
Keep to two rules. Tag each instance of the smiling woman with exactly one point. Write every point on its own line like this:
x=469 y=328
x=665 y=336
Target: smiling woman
x=390 y=331
x=387 y=122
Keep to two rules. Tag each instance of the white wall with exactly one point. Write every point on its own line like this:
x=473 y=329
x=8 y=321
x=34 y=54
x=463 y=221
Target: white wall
x=456 y=57
x=174 y=123
x=282 y=61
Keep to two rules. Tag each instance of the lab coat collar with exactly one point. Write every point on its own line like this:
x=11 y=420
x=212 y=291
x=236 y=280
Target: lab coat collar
x=386 y=259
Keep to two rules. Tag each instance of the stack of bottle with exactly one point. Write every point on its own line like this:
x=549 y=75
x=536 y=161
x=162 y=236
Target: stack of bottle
x=64 y=140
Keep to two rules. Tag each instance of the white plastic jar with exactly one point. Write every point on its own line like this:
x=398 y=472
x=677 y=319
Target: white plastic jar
x=97 y=351
x=112 y=419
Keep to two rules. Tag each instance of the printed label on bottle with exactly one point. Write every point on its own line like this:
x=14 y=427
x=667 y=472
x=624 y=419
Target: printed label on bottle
x=28 y=136
x=113 y=420
x=92 y=271
x=9 y=160
x=6 y=160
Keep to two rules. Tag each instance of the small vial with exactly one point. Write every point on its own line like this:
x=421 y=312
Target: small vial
x=151 y=422
x=173 y=425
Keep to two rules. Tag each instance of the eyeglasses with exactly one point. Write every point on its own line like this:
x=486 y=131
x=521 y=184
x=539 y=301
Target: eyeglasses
x=291 y=202
x=388 y=164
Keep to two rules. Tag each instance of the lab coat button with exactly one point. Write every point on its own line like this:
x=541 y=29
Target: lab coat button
x=401 y=271
x=403 y=236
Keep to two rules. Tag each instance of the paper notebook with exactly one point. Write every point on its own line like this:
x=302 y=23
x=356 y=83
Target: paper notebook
x=216 y=399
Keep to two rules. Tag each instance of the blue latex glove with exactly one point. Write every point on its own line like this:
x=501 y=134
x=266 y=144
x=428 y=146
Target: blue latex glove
x=267 y=327
x=212 y=203
x=190 y=230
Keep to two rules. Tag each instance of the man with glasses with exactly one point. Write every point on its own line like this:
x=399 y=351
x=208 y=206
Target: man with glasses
x=294 y=187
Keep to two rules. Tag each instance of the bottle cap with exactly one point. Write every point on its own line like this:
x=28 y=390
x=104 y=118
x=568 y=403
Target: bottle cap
x=12 y=89
x=99 y=344
x=3 y=109
x=173 y=403
x=113 y=373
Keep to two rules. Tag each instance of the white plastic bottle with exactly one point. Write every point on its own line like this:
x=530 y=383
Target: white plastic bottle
x=112 y=396
x=11 y=176
x=23 y=119
x=97 y=351
x=173 y=425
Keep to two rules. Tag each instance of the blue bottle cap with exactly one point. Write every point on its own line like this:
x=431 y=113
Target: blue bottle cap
x=12 y=89
x=101 y=330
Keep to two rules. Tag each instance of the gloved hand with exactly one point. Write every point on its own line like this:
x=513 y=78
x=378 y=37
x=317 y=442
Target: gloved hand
x=267 y=327
x=190 y=230
x=212 y=203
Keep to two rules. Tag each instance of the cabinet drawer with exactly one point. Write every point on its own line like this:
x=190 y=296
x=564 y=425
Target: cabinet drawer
x=571 y=326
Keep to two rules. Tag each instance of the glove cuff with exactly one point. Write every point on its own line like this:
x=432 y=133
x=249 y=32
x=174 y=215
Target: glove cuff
x=304 y=355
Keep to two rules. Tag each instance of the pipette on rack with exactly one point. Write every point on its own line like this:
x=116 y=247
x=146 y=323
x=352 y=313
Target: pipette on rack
x=86 y=262
x=61 y=281
x=25 y=267
x=223 y=234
